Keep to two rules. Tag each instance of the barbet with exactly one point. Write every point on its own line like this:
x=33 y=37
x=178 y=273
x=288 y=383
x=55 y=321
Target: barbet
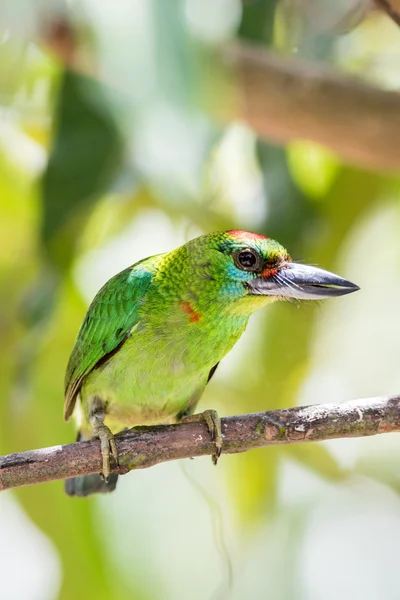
x=155 y=333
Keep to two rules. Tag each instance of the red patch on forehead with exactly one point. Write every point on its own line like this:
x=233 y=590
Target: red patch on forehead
x=238 y=234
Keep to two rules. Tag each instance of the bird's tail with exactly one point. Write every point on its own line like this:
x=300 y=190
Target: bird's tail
x=89 y=484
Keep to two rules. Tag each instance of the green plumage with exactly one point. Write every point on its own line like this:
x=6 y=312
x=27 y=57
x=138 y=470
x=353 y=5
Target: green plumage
x=112 y=314
x=155 y=332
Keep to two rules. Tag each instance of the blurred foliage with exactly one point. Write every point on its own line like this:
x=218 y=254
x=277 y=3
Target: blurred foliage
x=77 y=173
x=98 y=169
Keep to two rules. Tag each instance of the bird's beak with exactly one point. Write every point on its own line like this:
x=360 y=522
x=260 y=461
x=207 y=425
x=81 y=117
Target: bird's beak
x=302 y=282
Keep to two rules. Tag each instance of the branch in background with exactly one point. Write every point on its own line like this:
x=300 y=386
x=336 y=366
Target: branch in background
x=147 y=446
x=391 y=11
x=285 y=99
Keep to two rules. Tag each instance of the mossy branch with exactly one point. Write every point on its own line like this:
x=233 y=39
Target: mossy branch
x=144 y=447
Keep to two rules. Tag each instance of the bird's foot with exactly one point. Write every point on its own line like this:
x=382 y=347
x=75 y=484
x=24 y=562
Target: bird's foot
x=213 y=422
x=108 y=447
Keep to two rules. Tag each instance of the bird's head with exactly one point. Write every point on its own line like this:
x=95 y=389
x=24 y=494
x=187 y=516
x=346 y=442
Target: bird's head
x=258 y=269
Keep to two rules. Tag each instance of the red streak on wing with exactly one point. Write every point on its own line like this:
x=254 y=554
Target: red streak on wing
x=190 y=311
x=243 y=235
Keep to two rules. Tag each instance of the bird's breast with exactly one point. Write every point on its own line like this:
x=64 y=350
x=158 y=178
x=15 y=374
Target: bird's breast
x=158 y=370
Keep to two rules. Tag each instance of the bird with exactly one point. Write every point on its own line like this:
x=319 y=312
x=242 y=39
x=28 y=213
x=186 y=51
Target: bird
x=155 y=333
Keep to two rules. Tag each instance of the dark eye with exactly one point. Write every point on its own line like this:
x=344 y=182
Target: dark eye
x=248 y=260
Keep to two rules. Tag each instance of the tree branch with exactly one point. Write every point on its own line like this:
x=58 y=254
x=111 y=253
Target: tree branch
x=389 y=9
x=285 y=99
x=144 y=447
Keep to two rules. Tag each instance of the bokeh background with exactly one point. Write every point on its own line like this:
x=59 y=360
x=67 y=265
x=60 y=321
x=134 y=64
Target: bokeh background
x=110 y=150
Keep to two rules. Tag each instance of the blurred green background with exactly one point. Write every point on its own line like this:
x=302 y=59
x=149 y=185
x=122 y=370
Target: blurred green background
x=109 y=152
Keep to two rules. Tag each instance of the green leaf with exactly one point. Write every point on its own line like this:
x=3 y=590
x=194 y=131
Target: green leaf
x=258 y=20
x=83 y=163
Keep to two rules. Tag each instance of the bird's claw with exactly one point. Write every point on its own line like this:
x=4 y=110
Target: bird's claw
x=213 y=422
x=108 y=448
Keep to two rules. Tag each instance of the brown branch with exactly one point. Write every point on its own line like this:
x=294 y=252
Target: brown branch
x=389 y=9
x=285 y=99
x=147 y=446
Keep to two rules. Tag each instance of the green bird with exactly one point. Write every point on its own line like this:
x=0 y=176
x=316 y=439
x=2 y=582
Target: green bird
x=155 y=333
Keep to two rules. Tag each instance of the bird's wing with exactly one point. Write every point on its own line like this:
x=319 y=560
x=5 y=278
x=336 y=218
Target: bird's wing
x=212 y=371
x=108 y=323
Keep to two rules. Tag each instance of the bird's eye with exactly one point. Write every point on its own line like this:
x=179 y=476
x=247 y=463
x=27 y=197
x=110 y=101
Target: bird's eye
x=248 y=260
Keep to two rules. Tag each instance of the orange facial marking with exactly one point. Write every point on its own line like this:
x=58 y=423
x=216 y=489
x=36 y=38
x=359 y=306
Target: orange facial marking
x=243 y=235
x=190 y=311
x=268 y=272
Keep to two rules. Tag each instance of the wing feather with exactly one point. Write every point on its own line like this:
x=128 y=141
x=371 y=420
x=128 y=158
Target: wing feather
x=108 y=323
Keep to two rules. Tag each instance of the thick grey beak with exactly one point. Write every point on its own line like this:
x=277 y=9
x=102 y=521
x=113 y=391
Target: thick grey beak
x=302 y=282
